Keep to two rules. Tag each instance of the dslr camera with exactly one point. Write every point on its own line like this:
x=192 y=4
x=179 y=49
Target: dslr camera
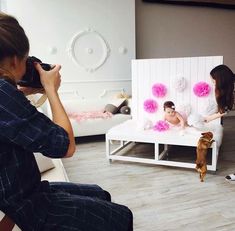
x=31 y=77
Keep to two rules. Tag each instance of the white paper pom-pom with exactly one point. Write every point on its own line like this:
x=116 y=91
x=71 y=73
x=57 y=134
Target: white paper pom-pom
x=180 y=83
x=196 y=121
x=145 y=124
x=184 y=109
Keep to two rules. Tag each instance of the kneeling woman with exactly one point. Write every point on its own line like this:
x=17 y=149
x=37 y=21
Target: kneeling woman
x=223 y=78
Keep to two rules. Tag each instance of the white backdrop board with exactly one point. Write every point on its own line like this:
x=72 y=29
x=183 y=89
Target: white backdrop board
x=147 y=72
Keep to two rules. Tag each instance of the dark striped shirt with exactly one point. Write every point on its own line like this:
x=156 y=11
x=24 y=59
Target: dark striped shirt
x=24 y=130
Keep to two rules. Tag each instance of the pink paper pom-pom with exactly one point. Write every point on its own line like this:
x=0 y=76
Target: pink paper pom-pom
x=161 y=126
x=159 y=90
x=201 y=89
x=150 y=105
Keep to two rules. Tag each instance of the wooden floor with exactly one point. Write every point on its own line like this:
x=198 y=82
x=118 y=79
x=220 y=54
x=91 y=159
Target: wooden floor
x=163 y=198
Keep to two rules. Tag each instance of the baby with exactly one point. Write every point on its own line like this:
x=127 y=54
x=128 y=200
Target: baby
x=172 y=116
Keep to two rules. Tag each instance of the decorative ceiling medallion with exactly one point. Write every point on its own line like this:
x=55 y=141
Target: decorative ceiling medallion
x=89 y=50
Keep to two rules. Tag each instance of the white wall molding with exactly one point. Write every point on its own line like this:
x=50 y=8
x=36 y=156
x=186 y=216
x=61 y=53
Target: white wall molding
x=103 y=94
x=97 y=80
x=89 y=38
x=76 y=52
x=106 y=91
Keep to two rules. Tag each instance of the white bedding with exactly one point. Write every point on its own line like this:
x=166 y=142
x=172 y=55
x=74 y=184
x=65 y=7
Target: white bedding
x=129 y=131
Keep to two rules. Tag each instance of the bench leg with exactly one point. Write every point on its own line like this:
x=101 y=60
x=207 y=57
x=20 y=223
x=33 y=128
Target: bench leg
x=156 y=151
x=166 y=148
x=107 y=144
x=214 y=157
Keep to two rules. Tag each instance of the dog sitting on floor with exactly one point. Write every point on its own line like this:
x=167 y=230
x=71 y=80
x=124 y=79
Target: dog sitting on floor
x=203 y=144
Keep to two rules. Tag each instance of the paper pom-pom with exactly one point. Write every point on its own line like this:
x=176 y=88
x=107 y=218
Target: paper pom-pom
x=150 y=105
x=196 y=120
x=180 y=84
x=159 y=90
x=144 y=124
x=201 y=89
x=184 y=109
x=161 y=126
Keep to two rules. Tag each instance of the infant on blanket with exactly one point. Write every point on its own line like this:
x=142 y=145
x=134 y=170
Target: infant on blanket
x=173 y=117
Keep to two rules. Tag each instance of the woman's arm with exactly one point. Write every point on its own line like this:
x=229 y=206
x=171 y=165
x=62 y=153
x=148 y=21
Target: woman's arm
x=214 y=116
x=60 y=118
x=51 y=82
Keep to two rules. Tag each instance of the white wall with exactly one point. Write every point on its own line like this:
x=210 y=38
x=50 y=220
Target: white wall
x=103 y=48
x=166 y=30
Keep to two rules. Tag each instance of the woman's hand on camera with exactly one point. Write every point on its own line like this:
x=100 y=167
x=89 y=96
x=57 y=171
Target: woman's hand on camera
x=50 y=79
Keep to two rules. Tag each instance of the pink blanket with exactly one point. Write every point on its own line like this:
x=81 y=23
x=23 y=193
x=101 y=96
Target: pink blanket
x=89 y=115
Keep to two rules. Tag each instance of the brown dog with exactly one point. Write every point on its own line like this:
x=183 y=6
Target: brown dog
x=203 y=144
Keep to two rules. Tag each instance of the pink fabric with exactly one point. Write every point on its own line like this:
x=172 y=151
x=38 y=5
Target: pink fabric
x=89 y=115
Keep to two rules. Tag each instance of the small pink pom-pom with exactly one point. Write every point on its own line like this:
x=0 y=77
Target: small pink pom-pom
x=150 y=105
x=159 y=90
x=201 y=89
x=161 y=126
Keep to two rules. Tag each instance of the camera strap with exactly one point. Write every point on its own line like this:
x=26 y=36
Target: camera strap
x=39 y=102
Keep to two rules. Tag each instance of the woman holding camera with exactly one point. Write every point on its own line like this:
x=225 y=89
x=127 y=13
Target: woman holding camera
x=31 y=203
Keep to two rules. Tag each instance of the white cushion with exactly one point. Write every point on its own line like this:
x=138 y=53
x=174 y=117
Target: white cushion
x=44 y=163
x=56 y=174
x=117 y=102
x=97 y=126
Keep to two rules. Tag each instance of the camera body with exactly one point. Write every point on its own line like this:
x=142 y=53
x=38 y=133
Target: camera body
x=31 y=77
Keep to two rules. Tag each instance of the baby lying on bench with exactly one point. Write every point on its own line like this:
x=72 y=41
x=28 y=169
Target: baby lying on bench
x=172 y=116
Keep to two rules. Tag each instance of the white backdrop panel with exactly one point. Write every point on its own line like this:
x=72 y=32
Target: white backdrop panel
x=146 y=72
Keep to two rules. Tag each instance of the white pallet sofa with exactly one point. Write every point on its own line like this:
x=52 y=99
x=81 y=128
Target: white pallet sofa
x=93 y=126
x=144 y=74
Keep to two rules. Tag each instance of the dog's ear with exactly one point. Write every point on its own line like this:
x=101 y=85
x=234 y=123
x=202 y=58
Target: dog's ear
x=210 y=134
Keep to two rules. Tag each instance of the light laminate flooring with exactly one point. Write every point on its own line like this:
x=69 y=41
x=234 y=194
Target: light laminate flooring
x=162 y=198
